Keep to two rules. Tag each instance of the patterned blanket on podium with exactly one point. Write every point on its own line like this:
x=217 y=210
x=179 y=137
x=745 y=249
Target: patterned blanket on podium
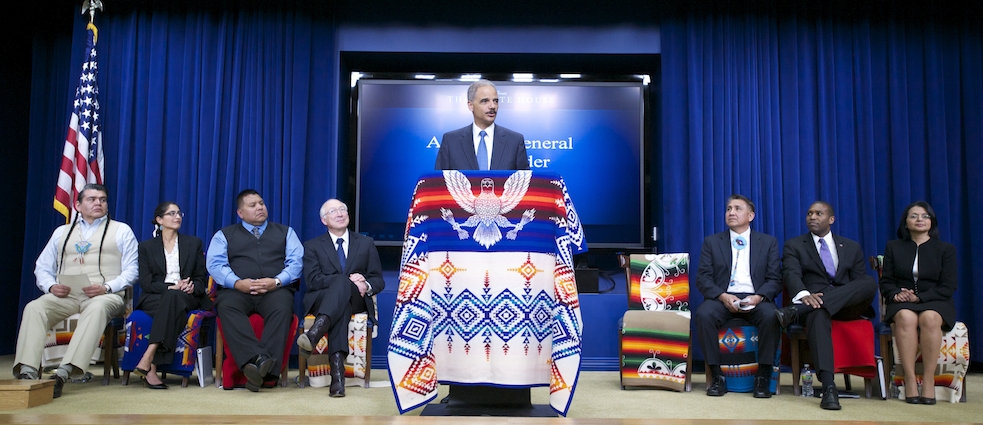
x=486 y=287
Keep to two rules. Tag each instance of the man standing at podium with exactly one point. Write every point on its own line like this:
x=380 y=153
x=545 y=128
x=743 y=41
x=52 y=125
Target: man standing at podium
x=482 y=145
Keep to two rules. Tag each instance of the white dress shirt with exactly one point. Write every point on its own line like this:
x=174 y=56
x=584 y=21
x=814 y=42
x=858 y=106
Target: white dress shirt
x=740 y=279
x=46 y=267
x=832 y=252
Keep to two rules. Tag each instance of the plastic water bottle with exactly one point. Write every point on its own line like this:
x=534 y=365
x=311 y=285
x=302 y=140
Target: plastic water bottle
x=806 y=380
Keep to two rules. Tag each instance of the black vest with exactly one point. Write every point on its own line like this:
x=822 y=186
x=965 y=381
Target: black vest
x=252 y=258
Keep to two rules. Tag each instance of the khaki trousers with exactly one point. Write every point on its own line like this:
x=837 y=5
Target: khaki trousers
x=43 y=313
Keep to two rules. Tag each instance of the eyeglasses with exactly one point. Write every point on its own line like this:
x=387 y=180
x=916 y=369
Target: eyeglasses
x=174 y=214
x=343 y=210
x=923 y=217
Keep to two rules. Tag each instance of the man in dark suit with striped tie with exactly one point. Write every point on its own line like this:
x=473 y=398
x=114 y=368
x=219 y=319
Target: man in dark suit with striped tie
x=826 y=276
x=342 y=271
x=482 y=145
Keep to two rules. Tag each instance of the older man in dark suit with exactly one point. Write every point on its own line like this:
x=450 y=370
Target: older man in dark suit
x=739 y=276
x=468 y=148
x=342 y=271
x=827 y=278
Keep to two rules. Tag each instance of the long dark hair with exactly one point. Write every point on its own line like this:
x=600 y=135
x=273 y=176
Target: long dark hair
x=159 y=212
x=904 y=233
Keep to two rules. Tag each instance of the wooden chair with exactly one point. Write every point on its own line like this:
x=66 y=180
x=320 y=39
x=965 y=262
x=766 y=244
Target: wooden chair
x=113 y=338
x=358 y=365
x=186 y=348
x=108 y=353
x=655 y=341
x=853 y=352
x=227 y=373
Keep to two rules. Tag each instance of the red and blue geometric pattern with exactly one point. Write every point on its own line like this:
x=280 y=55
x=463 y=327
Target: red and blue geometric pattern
x=486 y=289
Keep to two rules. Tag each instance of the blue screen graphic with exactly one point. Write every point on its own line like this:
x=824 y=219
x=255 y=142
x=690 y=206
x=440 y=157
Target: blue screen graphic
x=590 y=133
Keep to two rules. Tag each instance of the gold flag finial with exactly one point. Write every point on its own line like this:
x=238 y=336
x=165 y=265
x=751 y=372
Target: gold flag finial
x=91 y=6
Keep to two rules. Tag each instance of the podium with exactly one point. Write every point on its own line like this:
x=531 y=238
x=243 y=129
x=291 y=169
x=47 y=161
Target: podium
x=487 y=297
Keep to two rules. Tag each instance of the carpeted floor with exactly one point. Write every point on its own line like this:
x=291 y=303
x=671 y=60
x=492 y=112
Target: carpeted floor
x=598 y=395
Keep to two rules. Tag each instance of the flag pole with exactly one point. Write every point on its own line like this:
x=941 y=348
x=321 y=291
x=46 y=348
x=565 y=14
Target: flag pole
x=82 y=159
x=91 y=6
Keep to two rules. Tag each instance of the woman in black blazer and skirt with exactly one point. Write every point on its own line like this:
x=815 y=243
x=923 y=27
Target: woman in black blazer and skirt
x=917 y=283
x=172 y=282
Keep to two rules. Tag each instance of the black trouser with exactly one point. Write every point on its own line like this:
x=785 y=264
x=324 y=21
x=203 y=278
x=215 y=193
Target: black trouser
x=275 y=307
x=712 y=314
x=338 y=302
x=169 y=310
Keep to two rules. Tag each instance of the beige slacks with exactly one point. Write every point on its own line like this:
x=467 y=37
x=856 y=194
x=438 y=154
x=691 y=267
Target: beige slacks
x=43 y=313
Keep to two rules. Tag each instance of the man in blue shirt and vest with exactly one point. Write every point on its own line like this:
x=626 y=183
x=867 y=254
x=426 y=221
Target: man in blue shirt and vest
x=256 y=264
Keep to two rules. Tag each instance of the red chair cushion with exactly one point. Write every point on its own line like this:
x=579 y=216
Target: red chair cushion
x=853 y=348
x=232 y=377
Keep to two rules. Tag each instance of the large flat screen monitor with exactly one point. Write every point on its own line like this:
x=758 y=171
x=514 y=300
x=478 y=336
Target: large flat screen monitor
x=590 y=132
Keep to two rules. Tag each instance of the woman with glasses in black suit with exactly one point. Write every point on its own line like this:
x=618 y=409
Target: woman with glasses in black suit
x=917 y=283
x=172 y=281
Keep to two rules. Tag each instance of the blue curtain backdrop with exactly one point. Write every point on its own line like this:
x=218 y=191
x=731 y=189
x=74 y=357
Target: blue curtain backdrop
x=196 y=106
x=869 y=115
x=866 y=113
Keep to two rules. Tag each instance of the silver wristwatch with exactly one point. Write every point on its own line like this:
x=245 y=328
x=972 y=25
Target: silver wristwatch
x=277 y=281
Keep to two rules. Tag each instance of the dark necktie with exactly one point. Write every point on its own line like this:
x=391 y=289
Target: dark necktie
x=827 y=258
x=482 y=152
x=341 y=253
x=256 y=232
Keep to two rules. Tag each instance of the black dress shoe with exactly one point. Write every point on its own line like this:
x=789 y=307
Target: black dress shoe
x=307 y=341
x=256 y=370
x=270 y=381
x=304 y=342
x=831 y=399
x=337 y=363
x=160 y=386
x=59 y=385
x=926 y=400
x=761 y=387
x=786 y=316
x=718 y=386
x=913 y=400
x=141 y=372
x=26 y=376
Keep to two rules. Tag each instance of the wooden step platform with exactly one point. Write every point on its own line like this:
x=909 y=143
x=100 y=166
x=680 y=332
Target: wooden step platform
x=24 y=393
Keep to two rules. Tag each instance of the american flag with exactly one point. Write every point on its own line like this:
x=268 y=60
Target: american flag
x=82 y=160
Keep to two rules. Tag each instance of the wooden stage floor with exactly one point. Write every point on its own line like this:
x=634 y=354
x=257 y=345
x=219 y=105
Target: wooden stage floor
x=387 y=420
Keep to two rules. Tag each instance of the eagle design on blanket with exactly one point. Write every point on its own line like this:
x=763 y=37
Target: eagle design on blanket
x=487 y=208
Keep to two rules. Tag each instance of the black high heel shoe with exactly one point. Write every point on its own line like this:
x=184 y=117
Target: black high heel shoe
x=926 y=400
x=913 y=400
x=141 y=372
x=160 y=386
